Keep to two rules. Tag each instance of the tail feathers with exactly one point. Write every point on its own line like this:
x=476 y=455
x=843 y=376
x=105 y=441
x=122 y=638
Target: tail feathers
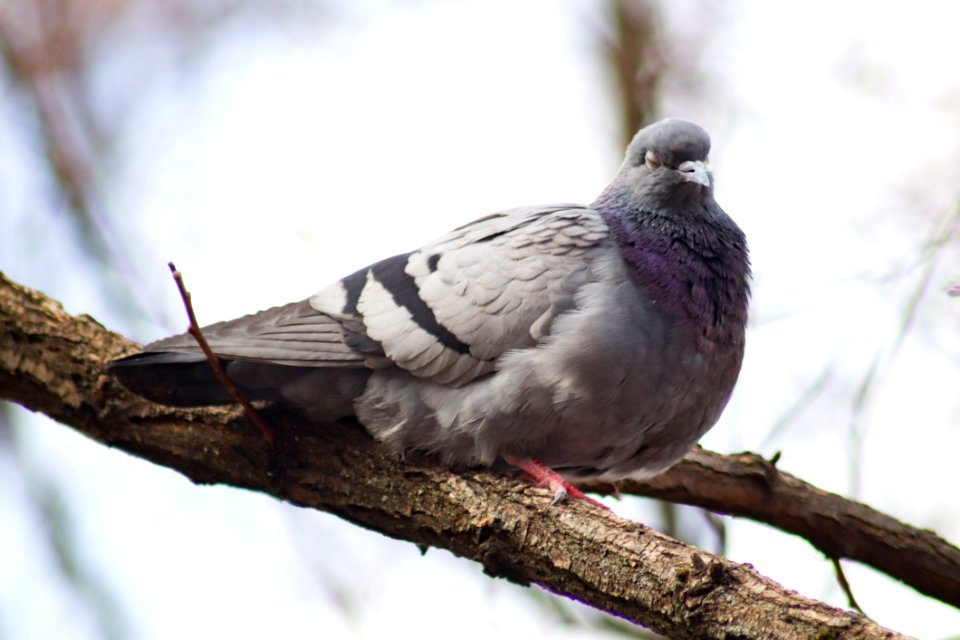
x=177 y=379
x=188 y=380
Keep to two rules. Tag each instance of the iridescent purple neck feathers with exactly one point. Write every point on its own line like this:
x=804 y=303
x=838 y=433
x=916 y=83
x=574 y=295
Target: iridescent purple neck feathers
x=688 y=256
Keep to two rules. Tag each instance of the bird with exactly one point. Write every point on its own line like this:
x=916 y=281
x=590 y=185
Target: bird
x=570 y=342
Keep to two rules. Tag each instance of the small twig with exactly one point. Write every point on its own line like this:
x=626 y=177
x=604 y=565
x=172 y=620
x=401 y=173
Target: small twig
x=719 y=528
x=221 y=375
x=803 y=401
x=842 y=579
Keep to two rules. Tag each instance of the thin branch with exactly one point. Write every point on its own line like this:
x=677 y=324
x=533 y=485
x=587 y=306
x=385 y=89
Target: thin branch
x=215 y=364
x=802 y=402
x=945 y=229
x=718 y=527
x=842 y=579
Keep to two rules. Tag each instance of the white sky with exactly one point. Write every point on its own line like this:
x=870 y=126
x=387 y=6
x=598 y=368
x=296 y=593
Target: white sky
x=284 y=161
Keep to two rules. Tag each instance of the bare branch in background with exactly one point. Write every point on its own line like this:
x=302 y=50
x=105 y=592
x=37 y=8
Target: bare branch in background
x=72 y=561
x=845 y=585
x=801 y=404
x=43 y=48
x=636 y=59
x=54 y=52
x=946 y=229
x=52 y=55
x=49 y=507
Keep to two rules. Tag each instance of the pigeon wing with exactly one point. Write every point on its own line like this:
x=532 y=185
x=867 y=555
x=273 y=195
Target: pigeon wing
x=295 y=334
x=447 y=311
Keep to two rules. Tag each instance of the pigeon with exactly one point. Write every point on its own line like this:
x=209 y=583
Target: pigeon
x=572 y=342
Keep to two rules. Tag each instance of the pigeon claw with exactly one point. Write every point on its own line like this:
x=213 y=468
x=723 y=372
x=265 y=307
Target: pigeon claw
x=559 y=495
x=544 y=476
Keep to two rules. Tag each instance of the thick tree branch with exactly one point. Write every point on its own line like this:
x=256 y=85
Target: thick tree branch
x=747 y=485
x=53 y=362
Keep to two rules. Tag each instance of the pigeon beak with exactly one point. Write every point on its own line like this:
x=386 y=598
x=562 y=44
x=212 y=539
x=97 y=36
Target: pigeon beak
x=694 y=171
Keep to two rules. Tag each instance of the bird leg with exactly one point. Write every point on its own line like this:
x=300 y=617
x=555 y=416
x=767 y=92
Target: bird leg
x=544 y=476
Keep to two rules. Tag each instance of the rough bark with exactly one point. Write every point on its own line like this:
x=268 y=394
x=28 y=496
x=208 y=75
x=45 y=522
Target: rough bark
x=747 y=485
x=53 y=362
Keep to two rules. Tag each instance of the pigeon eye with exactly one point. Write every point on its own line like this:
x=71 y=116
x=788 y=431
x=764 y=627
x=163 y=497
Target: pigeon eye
x=652 y=160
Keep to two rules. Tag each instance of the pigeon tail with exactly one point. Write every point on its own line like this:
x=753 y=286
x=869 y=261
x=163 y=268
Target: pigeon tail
x=188 y=380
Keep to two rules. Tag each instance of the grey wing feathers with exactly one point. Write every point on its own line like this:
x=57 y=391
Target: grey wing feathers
x=447 y=311
x=295 y=334
x=292 y=354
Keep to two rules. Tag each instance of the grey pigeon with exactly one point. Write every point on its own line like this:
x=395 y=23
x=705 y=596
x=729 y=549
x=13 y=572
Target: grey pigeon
x=595 y=341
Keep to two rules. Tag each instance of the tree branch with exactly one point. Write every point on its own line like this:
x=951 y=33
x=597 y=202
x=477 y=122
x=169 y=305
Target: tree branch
x=747 y=485
x=53 y=362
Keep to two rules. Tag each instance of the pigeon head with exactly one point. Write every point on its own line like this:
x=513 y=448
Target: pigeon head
x=673 y=233
x=665 y=168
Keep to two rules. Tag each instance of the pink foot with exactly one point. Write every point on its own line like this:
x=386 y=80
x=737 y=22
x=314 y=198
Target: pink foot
x=544 y=476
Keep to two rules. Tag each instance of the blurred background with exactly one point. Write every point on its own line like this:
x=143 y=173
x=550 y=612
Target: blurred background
x=270 y=148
